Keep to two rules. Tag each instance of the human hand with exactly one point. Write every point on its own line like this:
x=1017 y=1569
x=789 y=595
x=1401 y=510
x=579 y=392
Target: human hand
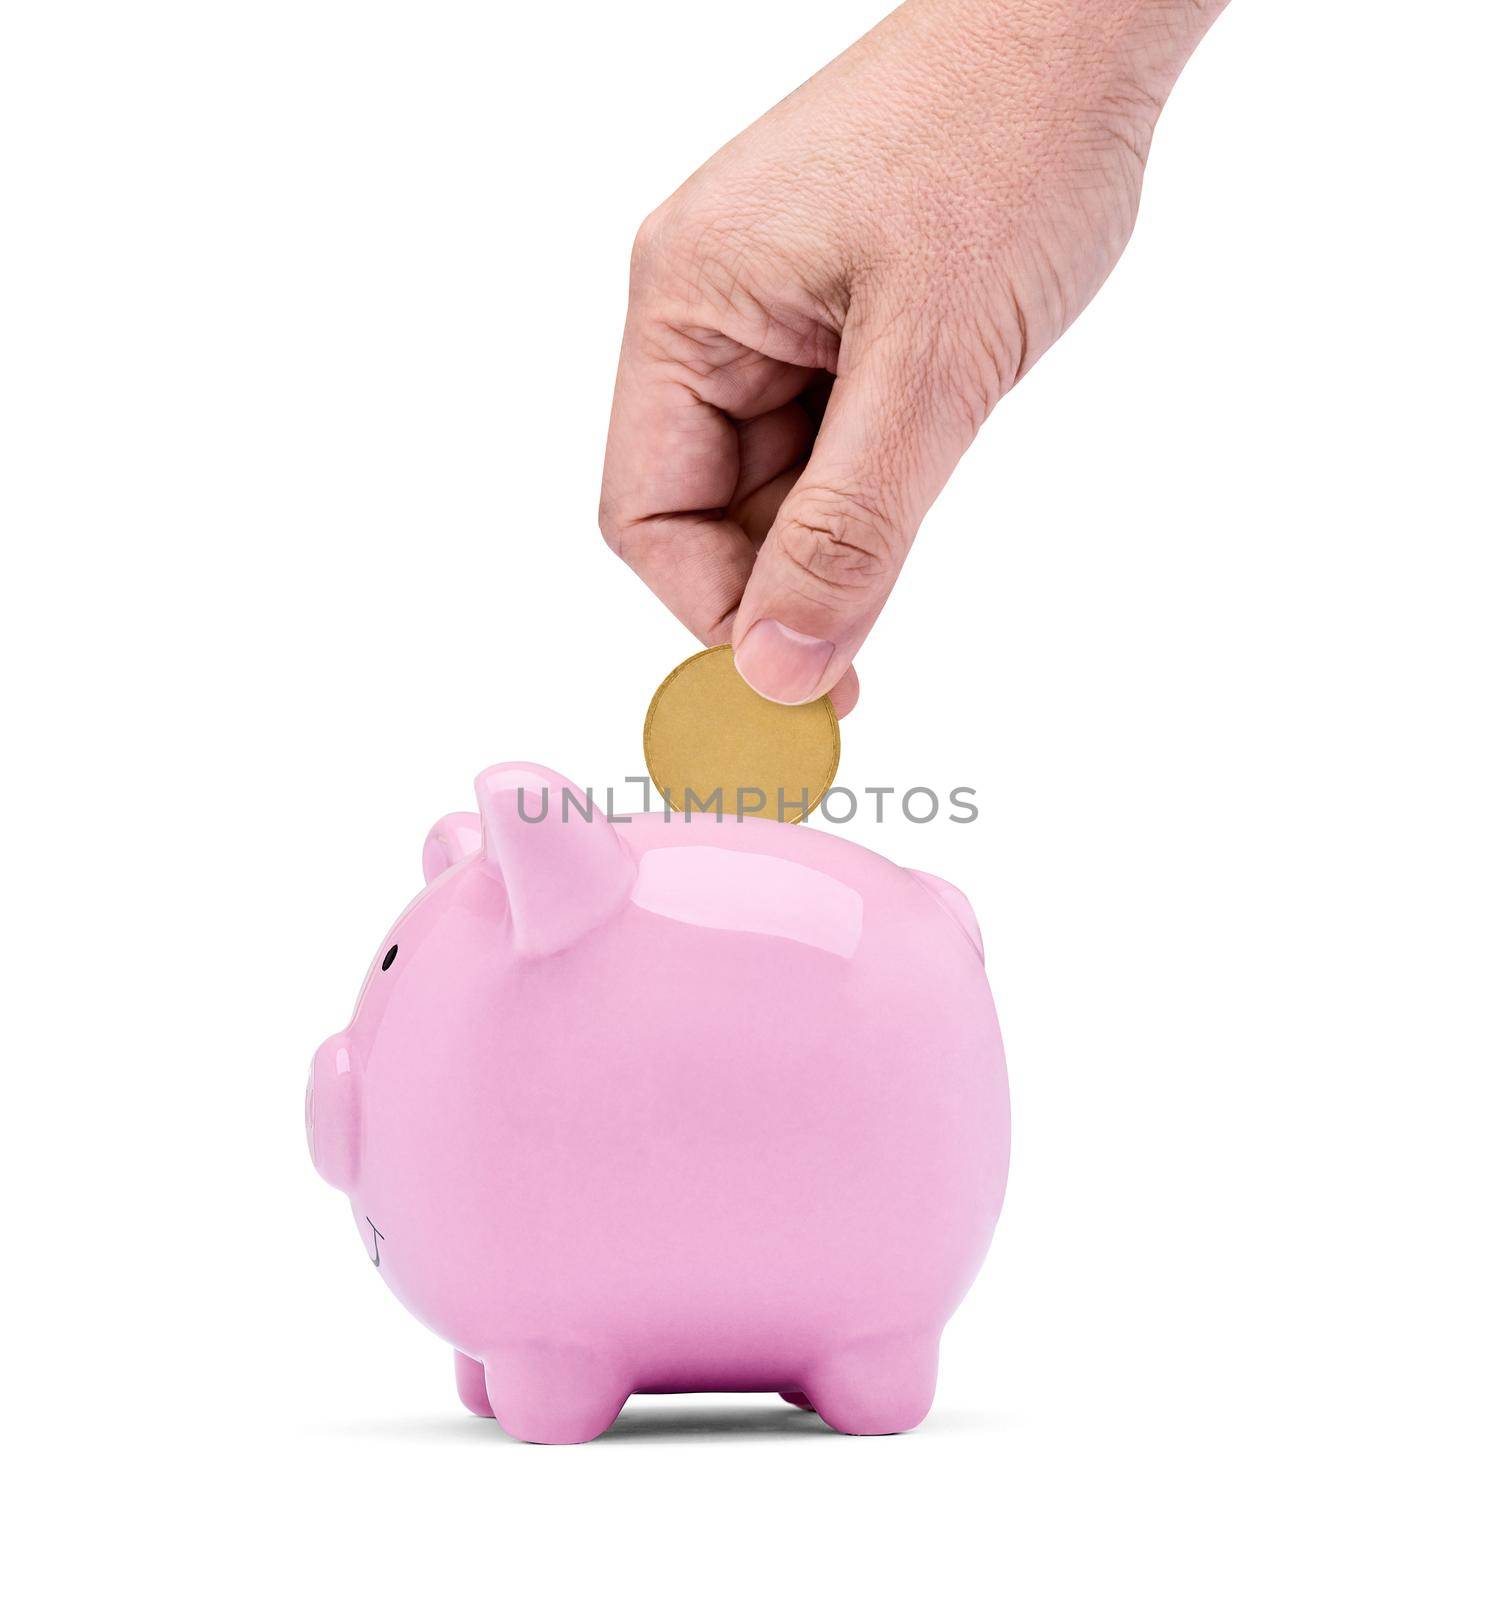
x=824 y=315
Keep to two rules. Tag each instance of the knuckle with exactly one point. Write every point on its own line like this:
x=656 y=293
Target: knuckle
x=842 y=543
x=993 y=353
x=651 y=241
x=1126 y=115
x=612 y=526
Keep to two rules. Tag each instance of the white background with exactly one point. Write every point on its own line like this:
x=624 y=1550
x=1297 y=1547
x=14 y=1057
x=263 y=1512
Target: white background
x=309 y=319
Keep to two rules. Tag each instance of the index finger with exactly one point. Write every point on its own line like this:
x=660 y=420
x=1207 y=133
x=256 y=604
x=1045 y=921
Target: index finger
x=696 y=423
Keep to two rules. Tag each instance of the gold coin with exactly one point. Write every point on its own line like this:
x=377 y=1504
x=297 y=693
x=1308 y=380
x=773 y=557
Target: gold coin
x=713 y=744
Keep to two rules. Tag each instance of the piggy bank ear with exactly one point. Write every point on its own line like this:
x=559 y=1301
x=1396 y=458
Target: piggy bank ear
x=562 y=864
x=451 y=839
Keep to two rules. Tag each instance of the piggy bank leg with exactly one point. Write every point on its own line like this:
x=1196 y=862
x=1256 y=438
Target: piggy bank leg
x=470 y=1380
x=878 y=1386
x=553 y=1394
x=796 y=1398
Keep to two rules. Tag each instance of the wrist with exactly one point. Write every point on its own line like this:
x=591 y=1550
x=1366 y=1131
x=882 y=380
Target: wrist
x=1136 y=46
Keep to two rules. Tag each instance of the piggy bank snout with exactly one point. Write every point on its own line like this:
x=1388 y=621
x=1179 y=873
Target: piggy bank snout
x=332 y=1115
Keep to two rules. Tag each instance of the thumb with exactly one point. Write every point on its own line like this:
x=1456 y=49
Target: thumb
x=886 y=446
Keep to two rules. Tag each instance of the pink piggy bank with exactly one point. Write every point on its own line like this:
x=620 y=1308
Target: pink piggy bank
x=667 y=1104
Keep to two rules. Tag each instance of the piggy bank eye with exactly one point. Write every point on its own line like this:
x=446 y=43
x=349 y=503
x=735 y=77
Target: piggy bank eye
x=390 y=957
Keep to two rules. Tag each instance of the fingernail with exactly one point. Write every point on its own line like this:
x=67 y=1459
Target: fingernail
x=781 y=664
